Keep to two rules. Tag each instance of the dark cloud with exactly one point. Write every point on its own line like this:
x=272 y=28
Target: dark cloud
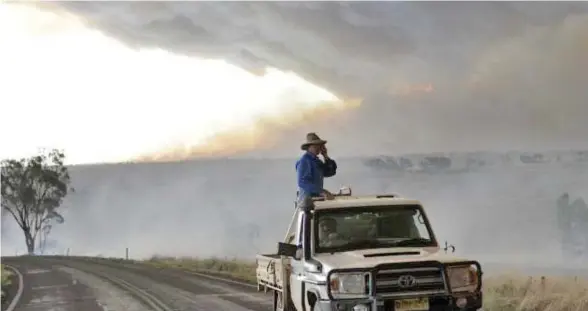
x=506 y=75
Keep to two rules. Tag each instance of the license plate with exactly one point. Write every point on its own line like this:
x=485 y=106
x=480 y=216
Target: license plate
x=416 y=304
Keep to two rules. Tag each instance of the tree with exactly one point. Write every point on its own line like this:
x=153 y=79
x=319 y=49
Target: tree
x=45 y=230
x=32 y=192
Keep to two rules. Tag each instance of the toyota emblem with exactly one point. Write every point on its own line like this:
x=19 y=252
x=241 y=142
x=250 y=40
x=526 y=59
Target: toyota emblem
x=406 y=281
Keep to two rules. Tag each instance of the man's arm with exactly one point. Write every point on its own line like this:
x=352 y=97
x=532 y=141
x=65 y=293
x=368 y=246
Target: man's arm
x=329 y=167
x=304 y=177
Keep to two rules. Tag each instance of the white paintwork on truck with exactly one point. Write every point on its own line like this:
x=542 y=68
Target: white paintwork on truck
x=355 y=201
x=269 y=271
x=272 y=270
x=355 y=259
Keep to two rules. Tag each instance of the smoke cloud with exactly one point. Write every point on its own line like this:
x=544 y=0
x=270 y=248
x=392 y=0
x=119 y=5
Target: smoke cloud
x=510 y=75
x=263 y=132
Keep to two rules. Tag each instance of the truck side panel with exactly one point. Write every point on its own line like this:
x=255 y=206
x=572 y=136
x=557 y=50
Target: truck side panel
x=270 y=272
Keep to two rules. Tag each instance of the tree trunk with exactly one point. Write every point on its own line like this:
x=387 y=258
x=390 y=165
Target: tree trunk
x=30 y=242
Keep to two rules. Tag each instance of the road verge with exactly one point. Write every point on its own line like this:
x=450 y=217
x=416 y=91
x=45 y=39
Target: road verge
x=12 y=287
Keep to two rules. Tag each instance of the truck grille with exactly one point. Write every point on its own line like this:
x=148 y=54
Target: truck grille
x=409 y=280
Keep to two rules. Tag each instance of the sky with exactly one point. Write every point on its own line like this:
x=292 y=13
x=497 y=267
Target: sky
x=101 y=101
x=138 y=81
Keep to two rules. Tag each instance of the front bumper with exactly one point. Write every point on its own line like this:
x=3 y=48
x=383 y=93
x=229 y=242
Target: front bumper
x=473 y=302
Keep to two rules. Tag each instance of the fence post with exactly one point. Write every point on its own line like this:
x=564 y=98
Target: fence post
x=67 y=252
x=127 y=253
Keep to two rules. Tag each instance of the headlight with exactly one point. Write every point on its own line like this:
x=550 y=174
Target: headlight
x=463 y=278
x=349 y=285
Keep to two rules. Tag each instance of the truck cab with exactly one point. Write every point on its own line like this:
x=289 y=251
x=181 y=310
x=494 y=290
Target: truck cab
x=366 y=253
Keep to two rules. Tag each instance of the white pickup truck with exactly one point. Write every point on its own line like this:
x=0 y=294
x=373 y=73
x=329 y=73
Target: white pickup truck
x=366 y=253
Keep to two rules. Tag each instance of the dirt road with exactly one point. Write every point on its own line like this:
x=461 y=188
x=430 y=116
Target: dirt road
x=76 y=284
x=40 y=286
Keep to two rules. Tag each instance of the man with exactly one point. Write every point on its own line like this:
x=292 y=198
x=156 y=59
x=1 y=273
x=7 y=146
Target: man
x=311 y=170
x=327 y=233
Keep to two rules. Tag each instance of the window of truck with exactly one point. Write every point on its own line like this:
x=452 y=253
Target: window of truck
x=347 y=229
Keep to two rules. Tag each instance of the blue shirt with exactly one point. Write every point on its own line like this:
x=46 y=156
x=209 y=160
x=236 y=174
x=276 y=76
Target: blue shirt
x=310 y=171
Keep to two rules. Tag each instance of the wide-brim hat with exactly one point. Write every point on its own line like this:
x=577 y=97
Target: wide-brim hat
x=312 y=139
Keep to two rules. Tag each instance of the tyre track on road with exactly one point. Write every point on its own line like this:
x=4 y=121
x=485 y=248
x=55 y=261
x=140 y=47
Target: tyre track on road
x=45 y=287
x=141 y=295
x=175 y=290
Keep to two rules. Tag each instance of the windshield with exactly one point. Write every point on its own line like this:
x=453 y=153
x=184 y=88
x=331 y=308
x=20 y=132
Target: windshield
x=340 y=230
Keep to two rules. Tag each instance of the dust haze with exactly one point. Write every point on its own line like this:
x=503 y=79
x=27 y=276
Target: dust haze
x=499 y=76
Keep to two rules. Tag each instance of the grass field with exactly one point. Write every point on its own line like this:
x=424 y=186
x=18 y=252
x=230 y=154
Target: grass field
x=501 y=293
x=5 y=279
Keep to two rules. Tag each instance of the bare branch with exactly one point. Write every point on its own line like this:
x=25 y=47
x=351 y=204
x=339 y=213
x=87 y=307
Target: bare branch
x=18 y=220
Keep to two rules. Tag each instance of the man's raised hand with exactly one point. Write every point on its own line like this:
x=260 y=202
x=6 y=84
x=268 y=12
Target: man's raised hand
x=324 y=151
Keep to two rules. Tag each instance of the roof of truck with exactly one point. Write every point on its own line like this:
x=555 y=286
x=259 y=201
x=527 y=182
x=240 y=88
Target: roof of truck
x=367 y=200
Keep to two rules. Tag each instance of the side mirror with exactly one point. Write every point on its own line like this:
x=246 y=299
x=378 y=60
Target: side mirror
x=288 y=250
x=448 y=247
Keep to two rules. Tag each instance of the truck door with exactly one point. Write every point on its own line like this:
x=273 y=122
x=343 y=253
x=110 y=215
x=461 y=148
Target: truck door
x=297 y=270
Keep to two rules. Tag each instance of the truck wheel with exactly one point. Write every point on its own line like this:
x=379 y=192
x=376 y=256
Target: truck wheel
x=291 y=305
x=279 y=305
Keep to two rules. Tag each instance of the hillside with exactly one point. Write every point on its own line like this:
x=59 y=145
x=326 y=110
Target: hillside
x=501 y=212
